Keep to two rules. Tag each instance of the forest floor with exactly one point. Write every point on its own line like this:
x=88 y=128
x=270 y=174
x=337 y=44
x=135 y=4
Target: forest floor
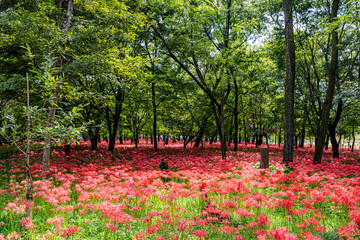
x=100 y=195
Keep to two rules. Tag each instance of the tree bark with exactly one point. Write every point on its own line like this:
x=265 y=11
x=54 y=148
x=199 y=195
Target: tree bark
x=201 y=132
x=353 y=138
x=121 y=137
x=327 y=141
x=236 y=120
x=264 y=161
x=222 y=127
x=113 y=120
x=321 y=132
x=245 y=134
x=29 y=180
x=332 y=130
x=154 y=113
x=47 y=137
x=279 y=136
x=94 y=135
x=289 y=83
x=302 y=135
x=67 y=149
x=55 y=98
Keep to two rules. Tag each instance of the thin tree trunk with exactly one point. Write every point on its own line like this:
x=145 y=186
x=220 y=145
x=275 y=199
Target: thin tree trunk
x=302 y=139
x=154 y=112
x=332 y=130
x=236 y=121
x=222 y=127
x=212 y=139
x=29 y=180
x=121 y=137
x=327 y=141
x=201 y=132
x=67 y=149
x=47 y=137
x=230 y=133
x=279 y=136
x=245 y=134
x=94 y=136
x=289 y=83
x=115 y=119
x=55 y=98
x=353 y=138
x=321 y=133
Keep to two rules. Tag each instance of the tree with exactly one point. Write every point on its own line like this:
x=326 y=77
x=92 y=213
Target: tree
x=202 y=44
x=289 y=82
x=321 y=134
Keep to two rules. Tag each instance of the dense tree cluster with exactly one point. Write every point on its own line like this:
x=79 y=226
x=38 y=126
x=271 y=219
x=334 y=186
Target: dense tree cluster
x=191 y=70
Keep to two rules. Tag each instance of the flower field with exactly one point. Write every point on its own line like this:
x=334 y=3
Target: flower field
x=100 y=195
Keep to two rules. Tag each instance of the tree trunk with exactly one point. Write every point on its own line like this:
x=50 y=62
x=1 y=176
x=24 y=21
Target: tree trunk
x=114 y=124
x=230 y=133
x=245 y=134
x=29 y=180
x=302 y=138
x=222 y=127
x=332 y=130
x=55 y=98
x=67 y=149
x=212 y=139
x=264 y=160
x=289 y=83
x=353 y=138
x=327 y=141
x=121 y=138
x=236 y=121
x=136 y=142
x=47 y=137
x=94 y=136
x=279 y=136
x=201 y=132
x=154 y=112
x=321 y=133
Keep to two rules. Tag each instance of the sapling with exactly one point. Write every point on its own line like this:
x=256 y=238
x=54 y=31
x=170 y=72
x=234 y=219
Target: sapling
x=26 y=152
x=29 y=181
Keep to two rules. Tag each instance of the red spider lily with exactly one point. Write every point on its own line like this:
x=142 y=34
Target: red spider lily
x=70 y=231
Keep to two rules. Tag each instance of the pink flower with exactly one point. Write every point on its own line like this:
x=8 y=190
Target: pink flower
x=282 y=234
x=239 y=237
x=263 y=220
x=160 y=238
x=70 y=231
x=55 y=220
x=140 y=236
x=12 y=235
x=228 y=229
x=26 y=223
x=153 y=228
x=112 y=227
x=244 y=213
x=355 y=215
x=309 y=236
x=349 y=230
x=200 y=233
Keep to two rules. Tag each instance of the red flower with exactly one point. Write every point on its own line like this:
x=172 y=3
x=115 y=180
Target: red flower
x=200 y=233
x=70 y=231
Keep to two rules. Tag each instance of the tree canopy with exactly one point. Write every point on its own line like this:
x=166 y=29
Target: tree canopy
x=183 y=70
